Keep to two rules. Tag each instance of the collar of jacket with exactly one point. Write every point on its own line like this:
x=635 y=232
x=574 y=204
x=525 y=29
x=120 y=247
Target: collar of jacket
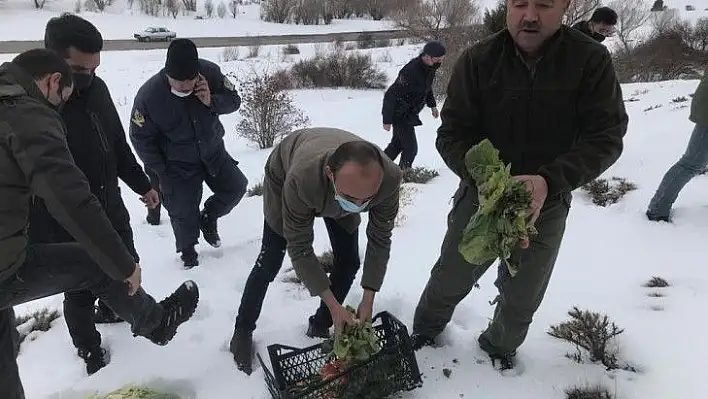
x=549 y=47
x=15 y=78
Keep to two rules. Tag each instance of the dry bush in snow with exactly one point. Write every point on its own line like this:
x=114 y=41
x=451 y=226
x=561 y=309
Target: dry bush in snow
x=588 y=392
x=419 y=175
x=269 y=112
x=338 y=69
x=40 y=320
x=592 y=332
x=605 y=192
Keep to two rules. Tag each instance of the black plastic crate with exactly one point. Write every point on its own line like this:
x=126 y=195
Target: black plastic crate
x=391 y=370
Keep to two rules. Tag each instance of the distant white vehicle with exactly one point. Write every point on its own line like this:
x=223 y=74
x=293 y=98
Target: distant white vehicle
x=155 y=34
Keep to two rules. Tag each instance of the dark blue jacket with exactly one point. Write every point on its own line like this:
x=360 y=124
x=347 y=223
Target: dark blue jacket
x=175 y=136
x=406 y=97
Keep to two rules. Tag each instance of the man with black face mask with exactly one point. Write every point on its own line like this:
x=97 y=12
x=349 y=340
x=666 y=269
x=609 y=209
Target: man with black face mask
x=98 y=144
x=601 y=24
x=406 y=97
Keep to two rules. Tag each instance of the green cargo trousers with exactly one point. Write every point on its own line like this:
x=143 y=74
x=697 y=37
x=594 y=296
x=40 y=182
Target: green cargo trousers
x=452 y=278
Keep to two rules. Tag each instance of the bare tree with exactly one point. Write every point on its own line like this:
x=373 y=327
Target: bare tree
x=233 y=8
x=209 y=8
x=39 y=4
x=278 y=11
x=190 y=5
x=580 y=10
x=221 y=10
x=662 y=21
x=700 y=34
x=631 y=15
x=172 y=7
x=430 y=19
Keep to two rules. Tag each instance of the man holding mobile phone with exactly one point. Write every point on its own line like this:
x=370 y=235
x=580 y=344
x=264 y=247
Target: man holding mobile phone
x=175 y=129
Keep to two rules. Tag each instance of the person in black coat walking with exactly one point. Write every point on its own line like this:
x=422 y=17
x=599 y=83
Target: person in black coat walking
x=601 y=24
x=175 y=129
x=97 y=142
x=406 y=97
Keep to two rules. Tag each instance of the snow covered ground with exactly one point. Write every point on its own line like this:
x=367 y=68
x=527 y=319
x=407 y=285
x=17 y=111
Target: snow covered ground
x=21 y=21
x=607 y=255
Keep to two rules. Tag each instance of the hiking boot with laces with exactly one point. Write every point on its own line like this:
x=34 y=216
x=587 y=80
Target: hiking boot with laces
x=208 y=226
x=95 y=359
x=176 y=309
x=190 y=258
x=241 y=346
x=500 y=360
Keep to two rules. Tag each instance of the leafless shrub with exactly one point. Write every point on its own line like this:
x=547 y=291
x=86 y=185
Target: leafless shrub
x=230 y=54
x=173 y=7
x=590 y=331
x=656 y=282
x=588 y=392
x=233 y=8
x=338 y=69
x=580 y=10
x=278 y=11
x=268 y=112
x=40 y=320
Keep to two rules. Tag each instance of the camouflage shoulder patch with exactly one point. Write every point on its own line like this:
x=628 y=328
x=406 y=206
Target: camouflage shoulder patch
x=138 y=119
x=227 y=83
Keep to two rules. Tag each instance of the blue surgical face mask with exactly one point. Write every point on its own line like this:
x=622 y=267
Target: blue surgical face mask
x=347 y=205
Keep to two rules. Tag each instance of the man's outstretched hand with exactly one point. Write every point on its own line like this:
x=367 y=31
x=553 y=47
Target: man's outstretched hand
x=537 y=186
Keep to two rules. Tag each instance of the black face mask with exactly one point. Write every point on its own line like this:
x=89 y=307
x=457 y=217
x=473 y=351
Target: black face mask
x=82 y=81
x=598 y=36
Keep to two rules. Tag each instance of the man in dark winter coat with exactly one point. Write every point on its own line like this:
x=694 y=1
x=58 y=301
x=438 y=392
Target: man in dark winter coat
x=98 y=145
x=601 y=24
x=406 y=97
x=35 y=161
x=175 y=129
x=547 y=97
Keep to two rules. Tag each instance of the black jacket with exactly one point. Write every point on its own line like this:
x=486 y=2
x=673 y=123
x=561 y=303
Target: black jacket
x=584 y=26
x=97 y=142
x=406 y=97
x=175 y=136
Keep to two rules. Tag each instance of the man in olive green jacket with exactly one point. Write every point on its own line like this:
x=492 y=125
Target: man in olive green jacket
x=333 y=174
x=692 y=163
x=547 y=97
x=35 y=160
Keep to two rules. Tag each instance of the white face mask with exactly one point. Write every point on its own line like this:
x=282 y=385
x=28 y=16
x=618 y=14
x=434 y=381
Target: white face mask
x=181 y=94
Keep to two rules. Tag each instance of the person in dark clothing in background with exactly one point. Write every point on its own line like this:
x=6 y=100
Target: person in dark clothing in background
x=35 y=161
x=601 y=24
x=176 y=131
x=98 y=145
x=406 y=97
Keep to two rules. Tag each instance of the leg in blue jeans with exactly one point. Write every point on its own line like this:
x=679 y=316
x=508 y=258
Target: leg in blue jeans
x=692 y=163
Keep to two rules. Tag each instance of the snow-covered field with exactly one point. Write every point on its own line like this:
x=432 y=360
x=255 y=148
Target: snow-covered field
x=20 y=21
x=607 y=255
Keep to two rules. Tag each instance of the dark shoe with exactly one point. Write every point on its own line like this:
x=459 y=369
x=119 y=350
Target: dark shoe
x=657 y=218
x=153 y=216
x=105 y=315
x=419 y=341
x=241 y=347
x=176 y=309
x=95 y=359
x=190 y=258
x=316 y=330
x=500 y=360
x=208 y=226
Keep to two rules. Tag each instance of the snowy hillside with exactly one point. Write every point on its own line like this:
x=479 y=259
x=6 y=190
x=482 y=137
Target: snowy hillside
x=21 y=21
x=608 y=253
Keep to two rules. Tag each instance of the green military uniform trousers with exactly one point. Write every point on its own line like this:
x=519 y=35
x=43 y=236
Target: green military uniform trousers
x=452 y=278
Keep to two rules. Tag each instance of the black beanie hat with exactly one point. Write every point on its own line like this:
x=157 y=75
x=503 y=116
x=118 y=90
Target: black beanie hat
x=434 y=49
x=182 y=60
